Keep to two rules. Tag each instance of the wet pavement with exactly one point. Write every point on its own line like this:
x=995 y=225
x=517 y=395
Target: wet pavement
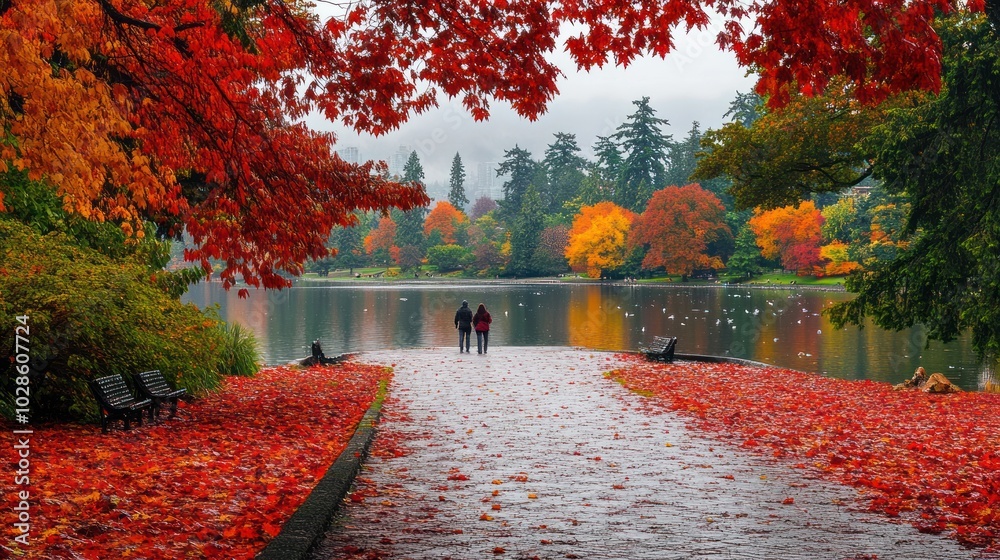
x=531 y=452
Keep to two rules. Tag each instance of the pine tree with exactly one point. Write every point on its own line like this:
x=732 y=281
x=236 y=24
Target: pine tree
x=526 y=234
x=564 y=168
x=683 y=157
x=746 y=258
x=609 y=159
x=746 y=108
x=410 y=224
x=456 y=194
x=646 y=147
x=521 y=168
x=413 y=171
x=349 y=242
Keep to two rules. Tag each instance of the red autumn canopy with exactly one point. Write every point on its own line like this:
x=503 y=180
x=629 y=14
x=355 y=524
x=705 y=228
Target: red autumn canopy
x=190 y=112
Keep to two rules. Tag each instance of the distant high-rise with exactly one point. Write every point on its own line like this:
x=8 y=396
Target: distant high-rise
x=350 y=154
x=397 y=161
x=487 y=182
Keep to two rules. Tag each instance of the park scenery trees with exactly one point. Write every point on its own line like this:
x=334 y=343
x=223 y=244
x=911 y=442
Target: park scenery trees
x=677 y=228
x=598 y=239
x=127 y=124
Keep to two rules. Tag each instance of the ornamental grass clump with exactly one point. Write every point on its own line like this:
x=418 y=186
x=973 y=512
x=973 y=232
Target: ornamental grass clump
x=239 y=355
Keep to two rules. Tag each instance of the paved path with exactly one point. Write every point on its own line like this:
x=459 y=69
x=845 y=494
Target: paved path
x=531 y=452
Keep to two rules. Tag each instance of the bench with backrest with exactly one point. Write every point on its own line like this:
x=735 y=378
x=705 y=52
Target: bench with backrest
x=116 y=402
x=153 y=386
x=662 y=349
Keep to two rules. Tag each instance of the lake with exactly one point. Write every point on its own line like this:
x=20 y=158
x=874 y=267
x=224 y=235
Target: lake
x=783 y=327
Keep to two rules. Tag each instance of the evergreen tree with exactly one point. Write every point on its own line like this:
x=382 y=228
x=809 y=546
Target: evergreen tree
x=746 y=108
x=564 y=168
x=683 y=157
x=526 y=233
x=609 y=160
x=456 y=194
x=598 y=184
x=518 y=164
x=349 y=243
x=746 y=259
x=945 y=155
x=646 y=148
x=410 y=224
x=413 y=171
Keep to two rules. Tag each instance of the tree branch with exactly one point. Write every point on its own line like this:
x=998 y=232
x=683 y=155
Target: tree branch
x=123 y=19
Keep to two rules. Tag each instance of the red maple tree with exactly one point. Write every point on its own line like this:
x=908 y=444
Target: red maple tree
x=677 y=227
x=190 y=112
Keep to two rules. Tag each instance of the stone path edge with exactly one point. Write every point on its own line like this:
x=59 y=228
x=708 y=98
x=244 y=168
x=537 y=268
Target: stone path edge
x=310 y=521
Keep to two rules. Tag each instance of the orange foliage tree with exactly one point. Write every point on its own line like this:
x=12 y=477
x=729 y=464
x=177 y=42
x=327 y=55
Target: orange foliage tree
x=381 y=238
x=838 y=260
x=444 y=219
x=677 y=227
x=189 y=112
x=791 y=233
x=598 y=238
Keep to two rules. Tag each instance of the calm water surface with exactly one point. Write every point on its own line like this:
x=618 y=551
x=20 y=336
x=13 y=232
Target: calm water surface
x=781 y=327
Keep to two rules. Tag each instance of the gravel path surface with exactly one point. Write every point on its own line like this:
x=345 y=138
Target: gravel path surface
x=531 y=452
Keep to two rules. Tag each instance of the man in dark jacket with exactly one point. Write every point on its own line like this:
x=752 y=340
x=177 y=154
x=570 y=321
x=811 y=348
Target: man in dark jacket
x=463 y=322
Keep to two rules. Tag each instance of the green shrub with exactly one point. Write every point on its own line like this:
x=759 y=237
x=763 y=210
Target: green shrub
x=449 y=257
x=90 y=315
x=239 y=355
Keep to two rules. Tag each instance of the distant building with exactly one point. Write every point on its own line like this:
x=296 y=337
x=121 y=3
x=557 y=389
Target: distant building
x=487 y=183
x=350 y=154
x=397 y=161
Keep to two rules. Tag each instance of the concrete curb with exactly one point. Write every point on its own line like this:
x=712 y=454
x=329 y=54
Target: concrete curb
x=310 y=521
x=723 y=360
x=716 y=360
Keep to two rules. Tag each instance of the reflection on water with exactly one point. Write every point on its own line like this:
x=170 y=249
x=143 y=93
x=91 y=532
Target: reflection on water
x=782 y=327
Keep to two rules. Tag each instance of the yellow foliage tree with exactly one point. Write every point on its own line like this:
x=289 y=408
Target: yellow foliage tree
x=839 y=263
x=598 y=238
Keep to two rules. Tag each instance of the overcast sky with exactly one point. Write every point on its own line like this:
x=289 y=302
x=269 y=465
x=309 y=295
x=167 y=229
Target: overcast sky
x=694 y=83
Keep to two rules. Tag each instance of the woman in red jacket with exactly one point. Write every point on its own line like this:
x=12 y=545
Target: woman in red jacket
x=481 y=322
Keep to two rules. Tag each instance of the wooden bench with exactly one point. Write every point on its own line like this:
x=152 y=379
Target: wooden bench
x=116 y=401
x=662 y=349
x=153 y=386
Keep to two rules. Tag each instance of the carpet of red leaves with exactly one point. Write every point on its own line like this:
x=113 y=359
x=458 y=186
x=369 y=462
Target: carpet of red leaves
x=930 y=460
x=218 y=481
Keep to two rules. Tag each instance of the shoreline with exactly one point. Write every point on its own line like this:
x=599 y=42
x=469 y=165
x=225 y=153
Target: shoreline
x=549 y=281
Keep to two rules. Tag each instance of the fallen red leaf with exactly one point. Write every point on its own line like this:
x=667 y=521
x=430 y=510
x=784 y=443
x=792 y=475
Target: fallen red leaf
x=228 y=471
x=911 y=451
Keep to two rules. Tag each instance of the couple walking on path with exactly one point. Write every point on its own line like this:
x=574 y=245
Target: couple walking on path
x=465 y=321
